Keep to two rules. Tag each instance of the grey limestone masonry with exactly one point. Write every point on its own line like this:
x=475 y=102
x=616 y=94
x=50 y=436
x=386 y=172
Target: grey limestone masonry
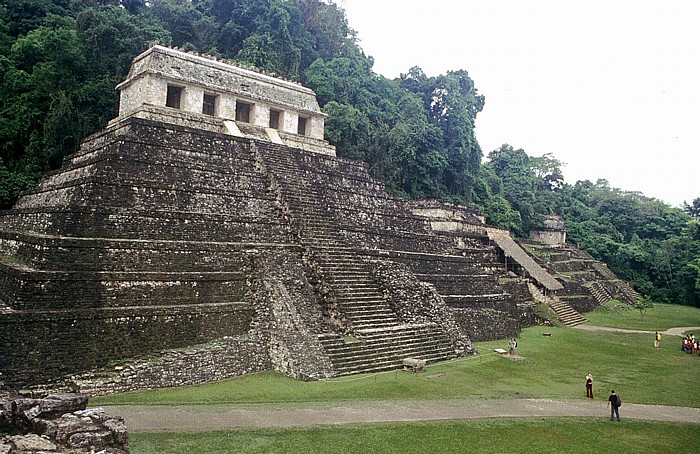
x=180 y=246
x=211 y=94
x=59 y=423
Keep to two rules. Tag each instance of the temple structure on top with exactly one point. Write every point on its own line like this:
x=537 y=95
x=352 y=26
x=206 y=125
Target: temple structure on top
x=552 y=233
x=190 y=90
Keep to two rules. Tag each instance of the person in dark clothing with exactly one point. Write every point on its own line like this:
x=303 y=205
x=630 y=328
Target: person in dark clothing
x=614 y=404
x=589 y=385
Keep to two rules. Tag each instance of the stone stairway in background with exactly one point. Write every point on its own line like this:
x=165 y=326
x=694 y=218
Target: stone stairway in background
x=628 y=291
x=378 y=340
x=599 y=292
x=625 y=292
x=587 y=282
x=565 y=313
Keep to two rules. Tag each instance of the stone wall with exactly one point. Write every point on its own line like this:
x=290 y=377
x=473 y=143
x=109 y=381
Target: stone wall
x=43 y=346
x=552 y=237
x=288 y=317
x=139 y=244
x=221 y=359
x=159 y=69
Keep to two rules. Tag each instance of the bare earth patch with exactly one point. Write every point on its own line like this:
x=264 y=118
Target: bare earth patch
x=196 y=417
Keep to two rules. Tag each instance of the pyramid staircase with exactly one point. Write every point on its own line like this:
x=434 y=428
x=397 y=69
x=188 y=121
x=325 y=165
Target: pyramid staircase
x=384 y=349
x=354 y=288
x=565 y=313
x=599 y=292
x=627 y=289
x=379 y=340
x=626 y=292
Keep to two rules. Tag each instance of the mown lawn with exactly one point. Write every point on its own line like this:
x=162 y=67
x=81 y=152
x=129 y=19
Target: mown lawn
x=538 y=436
x=552 y=367
x=659 y=318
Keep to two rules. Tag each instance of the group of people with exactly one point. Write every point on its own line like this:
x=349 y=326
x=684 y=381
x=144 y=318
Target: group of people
x=690 y=344
x=614 y=401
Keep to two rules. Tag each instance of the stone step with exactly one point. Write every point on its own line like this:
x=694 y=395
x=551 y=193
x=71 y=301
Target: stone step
x=366 y=317
x=342 y=283
x=354 y=286
x=385 y=343
x=366 y=296
x=349 y=267
x=356 y=309
x=364 y=359
x=380 y=316
x=367 y=355
x=365 y=309
x=566 y=314
x=362 y=304
x=355 y=294
x=360 y=316
x=375 y=324
x=369 y=319
x=389 y=362
x=383 y=347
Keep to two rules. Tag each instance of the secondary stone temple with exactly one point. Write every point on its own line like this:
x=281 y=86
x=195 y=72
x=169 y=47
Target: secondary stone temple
x=209 y=231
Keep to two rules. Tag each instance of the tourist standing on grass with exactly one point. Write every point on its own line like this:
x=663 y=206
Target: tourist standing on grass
x=657 y=339
x=614 y=403
x=511 y=346
x=589 y=385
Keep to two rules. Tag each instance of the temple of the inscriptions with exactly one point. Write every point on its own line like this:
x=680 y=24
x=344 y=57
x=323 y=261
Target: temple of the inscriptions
x=190 y=90
x=210 y=231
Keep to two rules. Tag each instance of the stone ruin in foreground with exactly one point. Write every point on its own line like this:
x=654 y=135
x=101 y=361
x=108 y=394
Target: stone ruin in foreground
x=209 y=231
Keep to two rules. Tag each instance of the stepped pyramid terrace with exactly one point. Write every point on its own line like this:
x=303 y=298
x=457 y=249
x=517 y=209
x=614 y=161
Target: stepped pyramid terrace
x=210 y=231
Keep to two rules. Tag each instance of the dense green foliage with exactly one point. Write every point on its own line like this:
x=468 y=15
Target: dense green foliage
x=60 y=61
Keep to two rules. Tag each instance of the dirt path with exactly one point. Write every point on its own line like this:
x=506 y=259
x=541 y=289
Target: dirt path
x=669 y=332
x=208 y=417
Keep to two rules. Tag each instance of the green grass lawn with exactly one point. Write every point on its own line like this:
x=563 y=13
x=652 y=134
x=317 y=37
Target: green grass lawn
x=563 y=435
x=660 y=317
x=553 y=367
x=539 y=436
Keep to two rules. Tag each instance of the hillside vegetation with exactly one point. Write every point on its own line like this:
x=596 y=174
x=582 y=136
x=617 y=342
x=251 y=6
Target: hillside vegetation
x=60 y=61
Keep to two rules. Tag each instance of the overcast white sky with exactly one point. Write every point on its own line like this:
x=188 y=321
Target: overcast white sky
x=611 y=88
